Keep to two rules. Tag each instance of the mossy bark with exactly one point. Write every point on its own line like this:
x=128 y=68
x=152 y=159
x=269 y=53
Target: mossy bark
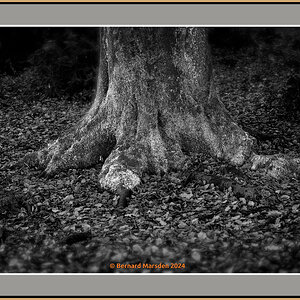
x=156 y=103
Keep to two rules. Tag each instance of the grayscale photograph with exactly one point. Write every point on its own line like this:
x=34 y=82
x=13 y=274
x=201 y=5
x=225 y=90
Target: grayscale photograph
x=149 y=149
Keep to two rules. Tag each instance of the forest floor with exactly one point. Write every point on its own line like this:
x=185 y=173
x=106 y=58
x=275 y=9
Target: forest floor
x=221 y=219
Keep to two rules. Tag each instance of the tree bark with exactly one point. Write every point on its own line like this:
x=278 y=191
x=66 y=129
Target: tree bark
x=156 y=103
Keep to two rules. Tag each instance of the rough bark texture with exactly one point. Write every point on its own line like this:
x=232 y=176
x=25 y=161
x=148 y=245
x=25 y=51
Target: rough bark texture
x=156 y=103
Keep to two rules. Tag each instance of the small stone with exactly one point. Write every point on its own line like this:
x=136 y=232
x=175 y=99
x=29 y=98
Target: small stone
x=273 y=213
x=182 y=225
x=154 y=249
x=191 y=234
x=137 y=248
x=243 y=200
x=86 y=227
x=126 y=240
x=195 y=221
x=162 y=222
x=166 y=252
x=147 y=251
x=158 y=242
x=124 y=227
x=80 y=208
x=202 y=235
x=250 y=203
x=14 y=262
x=117 y=257
x=68 y=198
x=285 y=197
x=192 y=240
x=272 y=248
x=196 y=256
x=186 y=195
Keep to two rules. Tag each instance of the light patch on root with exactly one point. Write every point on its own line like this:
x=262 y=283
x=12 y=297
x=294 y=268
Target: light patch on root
x=117 y=176
x=41 y=157
x=225 y=141
x=125 y=166
x=275 y=166
x=158 y=151
x=259 y=161
x=211 y=139
x=239 y=147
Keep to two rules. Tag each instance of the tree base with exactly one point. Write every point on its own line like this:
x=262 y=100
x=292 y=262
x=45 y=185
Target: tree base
x=155 y=105
x=125 y=160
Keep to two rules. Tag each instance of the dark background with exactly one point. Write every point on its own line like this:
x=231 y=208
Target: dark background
x=63 y=61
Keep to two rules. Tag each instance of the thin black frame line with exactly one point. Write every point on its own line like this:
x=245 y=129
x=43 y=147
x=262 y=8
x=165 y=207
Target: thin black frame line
x=147 y=297
x=149 y=2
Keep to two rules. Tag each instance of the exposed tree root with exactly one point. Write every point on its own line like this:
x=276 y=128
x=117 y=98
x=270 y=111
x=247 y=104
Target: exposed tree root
x=90 y=143
x=129 y=160
x=132 y=148
x=276 y=166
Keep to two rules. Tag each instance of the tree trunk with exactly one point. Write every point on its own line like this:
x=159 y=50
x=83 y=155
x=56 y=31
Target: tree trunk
x=156 y=103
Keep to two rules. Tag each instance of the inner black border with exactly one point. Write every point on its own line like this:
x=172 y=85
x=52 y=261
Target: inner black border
x=165 y=297
x=149 y=2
